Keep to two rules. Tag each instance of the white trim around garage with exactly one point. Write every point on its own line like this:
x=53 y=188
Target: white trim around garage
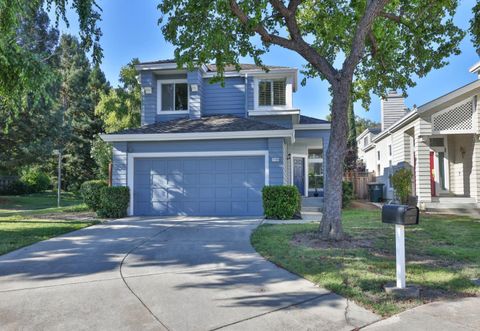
x=197 y=135
x=132 y=156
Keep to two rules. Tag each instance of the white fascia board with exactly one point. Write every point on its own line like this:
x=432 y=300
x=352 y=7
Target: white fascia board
x=273 y=112
x=156 y=66
x=198 y=135
x=399 y=124
x=475 y=68
x=312 y=126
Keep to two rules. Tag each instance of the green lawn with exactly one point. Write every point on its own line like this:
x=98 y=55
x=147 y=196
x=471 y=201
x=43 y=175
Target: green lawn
x=443 y=255
x=37 y=201
x=27 y=219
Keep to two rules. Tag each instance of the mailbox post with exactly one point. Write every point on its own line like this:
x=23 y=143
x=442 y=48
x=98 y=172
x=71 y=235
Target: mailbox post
x=400 y=215
x=400 y=254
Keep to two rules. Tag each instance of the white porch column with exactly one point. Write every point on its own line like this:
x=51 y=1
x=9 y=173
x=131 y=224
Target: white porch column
x=475 y=176
x=422 y=169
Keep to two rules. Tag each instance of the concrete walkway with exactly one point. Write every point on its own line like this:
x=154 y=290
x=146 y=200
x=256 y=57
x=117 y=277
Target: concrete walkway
x=162 y=274
x=439 y=316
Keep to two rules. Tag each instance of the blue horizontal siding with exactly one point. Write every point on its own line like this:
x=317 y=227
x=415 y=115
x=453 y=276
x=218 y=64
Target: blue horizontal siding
x=230 y=99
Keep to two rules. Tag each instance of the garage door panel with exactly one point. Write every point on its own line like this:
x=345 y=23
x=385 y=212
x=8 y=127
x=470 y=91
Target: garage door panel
x=222 y=179
x=222 y=165
x=223 y=194
x=190 y=179
x=253 y=164
x=254 y=195
x=255 y=208
x=205 y=165
x=239 y=193
x=159 y=181
x=204 y=186
x=255 y=180
x=206 y=179
x=160 y=194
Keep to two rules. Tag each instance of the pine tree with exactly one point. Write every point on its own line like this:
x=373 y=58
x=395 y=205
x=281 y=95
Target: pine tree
x=80 y=88
x=29 y=126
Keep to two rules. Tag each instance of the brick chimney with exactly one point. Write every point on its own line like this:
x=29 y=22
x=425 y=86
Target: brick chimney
x=393 y=109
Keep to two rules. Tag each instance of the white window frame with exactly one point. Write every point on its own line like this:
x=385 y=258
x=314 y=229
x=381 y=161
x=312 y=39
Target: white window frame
x=160 y=82
x=271 y=77
x=323 y=164
x=132 y=156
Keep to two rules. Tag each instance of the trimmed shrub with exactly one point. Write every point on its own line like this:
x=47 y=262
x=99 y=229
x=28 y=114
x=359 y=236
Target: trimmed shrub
x=347 y=193
x=35 y=179
x=402 y=184
x=281 y=202
x=114 y=201
x=90 y=191
x=17 y=187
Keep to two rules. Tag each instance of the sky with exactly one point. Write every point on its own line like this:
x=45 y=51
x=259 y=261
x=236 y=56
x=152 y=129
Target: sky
x=130 y=30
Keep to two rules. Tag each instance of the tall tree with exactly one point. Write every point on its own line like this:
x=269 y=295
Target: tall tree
x=29 y=125
x=378 y=44
x=22 y=71
x=80 y=87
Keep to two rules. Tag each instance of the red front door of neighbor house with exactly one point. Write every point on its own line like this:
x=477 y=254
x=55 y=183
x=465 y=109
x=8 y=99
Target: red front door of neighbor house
x=432 y=174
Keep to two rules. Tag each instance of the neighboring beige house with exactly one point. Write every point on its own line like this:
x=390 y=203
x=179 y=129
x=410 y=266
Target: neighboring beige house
x=439 y=141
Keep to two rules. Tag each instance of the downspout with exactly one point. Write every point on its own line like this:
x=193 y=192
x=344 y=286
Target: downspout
x=246 y=95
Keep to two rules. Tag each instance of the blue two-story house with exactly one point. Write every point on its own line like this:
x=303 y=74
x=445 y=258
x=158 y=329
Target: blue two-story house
x=206 y=149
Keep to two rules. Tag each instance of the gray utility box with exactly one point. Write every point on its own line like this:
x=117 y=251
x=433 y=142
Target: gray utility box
x=400 y=214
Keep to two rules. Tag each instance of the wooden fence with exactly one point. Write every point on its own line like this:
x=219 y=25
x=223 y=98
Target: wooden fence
x=360 y=181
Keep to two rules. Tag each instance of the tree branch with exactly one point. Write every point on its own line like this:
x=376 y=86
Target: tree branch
x=296 y=44
x=373 y=10
x=292 y=6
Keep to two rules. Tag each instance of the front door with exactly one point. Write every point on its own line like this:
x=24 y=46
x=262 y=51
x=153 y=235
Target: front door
x=299 y=174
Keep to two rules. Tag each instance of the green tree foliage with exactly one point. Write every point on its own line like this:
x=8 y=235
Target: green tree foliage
x=120 y=107
x=29 y=124
x=22 y=70
x=362 y=124
x=402 y=184
x=359 y=47
x=79 y=87
x=101 y=152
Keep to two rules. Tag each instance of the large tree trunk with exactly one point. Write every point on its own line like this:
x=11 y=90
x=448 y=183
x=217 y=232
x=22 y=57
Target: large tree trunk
x=331 y=224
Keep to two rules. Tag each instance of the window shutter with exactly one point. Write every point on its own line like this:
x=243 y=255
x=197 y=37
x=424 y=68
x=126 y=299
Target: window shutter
x=265 y=93
x=279 y=93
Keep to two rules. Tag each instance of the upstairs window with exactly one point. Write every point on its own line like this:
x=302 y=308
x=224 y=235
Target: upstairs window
x=272 y=93
x=173 y=96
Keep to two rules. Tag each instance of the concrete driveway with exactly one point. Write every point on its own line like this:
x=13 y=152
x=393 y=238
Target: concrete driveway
x=156 y=274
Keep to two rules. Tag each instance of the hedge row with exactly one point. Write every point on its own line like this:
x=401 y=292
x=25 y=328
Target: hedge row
x=281 y=202
x=107 y=202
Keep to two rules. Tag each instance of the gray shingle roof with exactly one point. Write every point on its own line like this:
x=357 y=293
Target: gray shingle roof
x=219 y=123
x=311 y=120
